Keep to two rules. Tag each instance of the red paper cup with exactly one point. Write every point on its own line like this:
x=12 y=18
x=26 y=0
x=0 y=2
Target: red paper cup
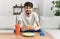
x=17 y=28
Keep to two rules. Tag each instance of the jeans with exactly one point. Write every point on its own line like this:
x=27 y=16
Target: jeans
x=40 y=31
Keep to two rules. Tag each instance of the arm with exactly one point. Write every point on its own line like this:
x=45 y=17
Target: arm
x=38 y=26
x=19 y=23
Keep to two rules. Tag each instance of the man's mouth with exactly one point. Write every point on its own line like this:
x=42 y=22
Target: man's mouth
x=28 y=13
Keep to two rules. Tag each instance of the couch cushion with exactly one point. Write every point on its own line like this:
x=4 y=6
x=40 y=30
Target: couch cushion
x=49 y=22
x=7 y=22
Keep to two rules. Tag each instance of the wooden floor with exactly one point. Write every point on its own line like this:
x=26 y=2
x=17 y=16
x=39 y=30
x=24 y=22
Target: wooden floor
x=13 y=36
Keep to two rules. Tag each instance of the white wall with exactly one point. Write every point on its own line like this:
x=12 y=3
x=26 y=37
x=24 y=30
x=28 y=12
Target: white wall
x=6 y=6
x=41 y=3
x=47 y=8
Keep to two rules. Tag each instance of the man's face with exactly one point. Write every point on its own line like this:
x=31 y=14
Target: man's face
x=28 y=9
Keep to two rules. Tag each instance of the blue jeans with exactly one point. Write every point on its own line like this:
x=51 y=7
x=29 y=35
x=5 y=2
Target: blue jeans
x=40 y=31
x=31 y=30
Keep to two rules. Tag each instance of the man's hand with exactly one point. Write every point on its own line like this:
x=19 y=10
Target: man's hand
x=38 y=26
x=23 y=28
x=27 y=28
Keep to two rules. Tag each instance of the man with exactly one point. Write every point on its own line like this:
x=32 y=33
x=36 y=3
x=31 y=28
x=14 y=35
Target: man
x=28 y=20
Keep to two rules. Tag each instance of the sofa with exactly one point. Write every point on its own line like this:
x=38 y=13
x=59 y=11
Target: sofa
x=50 y=22
x=8 y=22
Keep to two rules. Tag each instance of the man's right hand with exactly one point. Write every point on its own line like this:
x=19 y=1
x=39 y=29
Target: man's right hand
x=27 y=28
x=23 y=28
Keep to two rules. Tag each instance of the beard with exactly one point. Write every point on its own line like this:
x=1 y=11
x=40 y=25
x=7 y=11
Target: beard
x=28 y=12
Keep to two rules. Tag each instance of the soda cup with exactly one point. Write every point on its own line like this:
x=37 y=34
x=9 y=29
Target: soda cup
x=42 y=34
x=17 y=28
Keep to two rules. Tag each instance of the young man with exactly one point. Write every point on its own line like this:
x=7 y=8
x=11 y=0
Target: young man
x=28 y=20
